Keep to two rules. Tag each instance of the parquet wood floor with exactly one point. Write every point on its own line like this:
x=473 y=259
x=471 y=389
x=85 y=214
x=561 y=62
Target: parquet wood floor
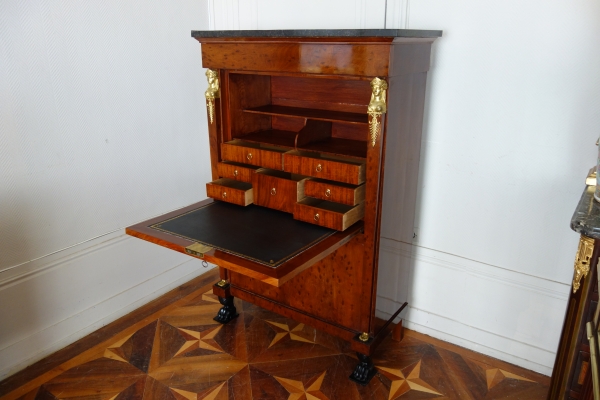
x=180 y=353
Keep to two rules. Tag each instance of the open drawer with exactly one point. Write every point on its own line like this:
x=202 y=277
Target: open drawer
x=325 y=166
x=258 y=242
x=231 y=191
x=236 y=171
x=335 y=191
x=277 y=189
x=258 y=154
x=328 y=214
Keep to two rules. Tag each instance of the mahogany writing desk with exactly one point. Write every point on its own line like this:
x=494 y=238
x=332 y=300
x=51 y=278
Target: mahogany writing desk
x=297 y=125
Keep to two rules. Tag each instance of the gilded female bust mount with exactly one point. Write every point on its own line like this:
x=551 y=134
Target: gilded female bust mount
x=377 y=103
x=212 y=92
x=376 y=107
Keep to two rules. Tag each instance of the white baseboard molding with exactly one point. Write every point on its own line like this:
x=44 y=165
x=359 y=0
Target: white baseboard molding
x=473 y=339
x=49 y=306
x=496 y=311
x=18 y=273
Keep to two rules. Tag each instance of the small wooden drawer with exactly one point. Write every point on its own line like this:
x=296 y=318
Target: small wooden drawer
x=330 y=215
x=277 y=189
x=236 y=171
x=258 y=154
x=335 y=168
x=231 y=191
x=335 y=192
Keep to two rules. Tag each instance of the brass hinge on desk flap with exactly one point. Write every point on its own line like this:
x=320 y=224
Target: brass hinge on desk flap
x=198 y=249
x=582 y=260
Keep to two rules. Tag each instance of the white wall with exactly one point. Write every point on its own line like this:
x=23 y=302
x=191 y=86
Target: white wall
x=512 y=115
x=102 y=125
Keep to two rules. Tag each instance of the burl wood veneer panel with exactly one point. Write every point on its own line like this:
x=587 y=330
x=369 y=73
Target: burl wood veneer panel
x=328 y=290
x=313 y=58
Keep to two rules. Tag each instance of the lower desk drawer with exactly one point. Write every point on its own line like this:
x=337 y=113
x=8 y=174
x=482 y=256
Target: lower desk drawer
x=277 y=189
x=335 y=192
x=236 y=171
x=261 y=155
x=330 y=215
x=231 y=191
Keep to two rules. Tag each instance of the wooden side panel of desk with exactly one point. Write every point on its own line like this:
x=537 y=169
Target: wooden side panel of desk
x=404 y=123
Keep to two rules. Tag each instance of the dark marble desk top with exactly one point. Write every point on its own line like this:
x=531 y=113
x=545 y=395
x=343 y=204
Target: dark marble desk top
x=586 y=219
x=297 y=33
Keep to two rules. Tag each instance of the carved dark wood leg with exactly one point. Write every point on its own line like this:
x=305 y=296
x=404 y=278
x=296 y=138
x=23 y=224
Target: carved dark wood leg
x=228 y=311
x=364 y=371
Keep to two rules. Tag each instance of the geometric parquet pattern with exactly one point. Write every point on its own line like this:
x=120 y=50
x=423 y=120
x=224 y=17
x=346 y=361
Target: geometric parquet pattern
x=182 y=354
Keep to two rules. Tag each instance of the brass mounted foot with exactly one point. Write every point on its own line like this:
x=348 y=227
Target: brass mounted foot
x=364 y=371
x=227 y=312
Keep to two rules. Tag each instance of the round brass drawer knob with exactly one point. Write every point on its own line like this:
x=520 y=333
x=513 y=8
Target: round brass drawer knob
x=249 y=156
x=273 y=192
x=319 y=168
x=316 y=217
x=224 y=195
x=328 y=193
x=235 y=172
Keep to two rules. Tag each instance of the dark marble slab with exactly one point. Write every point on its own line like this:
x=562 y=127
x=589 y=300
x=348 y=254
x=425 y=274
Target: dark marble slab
x=315 y=33
x=586 y=219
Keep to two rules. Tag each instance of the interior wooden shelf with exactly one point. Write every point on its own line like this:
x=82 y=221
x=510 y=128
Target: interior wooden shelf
x=275 y=137
x=340 y=147
x=332 y=145
x=311 y=113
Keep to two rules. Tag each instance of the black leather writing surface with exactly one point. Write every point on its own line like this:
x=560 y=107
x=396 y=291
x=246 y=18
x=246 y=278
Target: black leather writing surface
x=260 y=234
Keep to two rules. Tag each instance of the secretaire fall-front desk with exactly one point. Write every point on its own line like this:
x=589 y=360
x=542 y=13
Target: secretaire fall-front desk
x=297 y=124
